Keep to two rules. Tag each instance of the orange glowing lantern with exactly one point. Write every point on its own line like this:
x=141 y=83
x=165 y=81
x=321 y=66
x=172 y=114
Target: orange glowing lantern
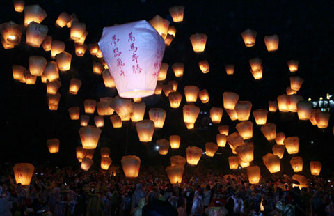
x=271 y=43
x=29 y=79
x=57 y=47
x=249 y=37
x=105 y=151
x=105 y=163
x=80 y=49
x=167 y=89
x=33 y=13
x=272 y=106
x=245 y=129
x=175 y=99
x=90 y=136
x=303 y=182
x=172 y=30
x=293 y=101
x=169 y=39
x=204 y=96
x=190 y=126
x=158 y=116
x=234 y=140
x=233 y=162
x=246 y=152
x=53 y=145
x=89 y=106
x=64 y=61
x=178 y=69
x=198 y=41
x=289 y=91
x=89 y=153
x=204 y=66
x=293 y=66
x=221 y=140
x=131 y=166
x=116 y=121
x=75 y=85
x=232 y=114
x=63 y=19
x=174 y=141
x=243 y=109
x=292 y=145
x=229 y=70
x=138 y=111
x=163 y=72
x=223 y=129
x=175 y=174
x=304 y=110
x=313 y=115
x=11 y=35
x=216 y=114
x=51 y=71
x=278 y=150
x=99 y=121
x=18 y=72
x=269 y=131
x=52 y=87
x=74 y=113
x=177 y=13
x=230 y=99
x=53 y=101
x=296 y=82
x=47 y=43
x=193 y=155
x=108 y=80
x=315 y=167
x=177 y=160
x=174 y=84
x=163 y=145
x=124 y=108
x=254 y=174
x=23 y=173
x=19 y=6
x=322 y=119
x=77 y=31
x=97 y=68
x=260 y=116
x=190 y=113
x=191 y=93
x=84 y=120
x=272 y=162
x=35 y=34
x=297 y=164
x=280 y=137
x=37 y=65
x=211 y=149
x=283 y=103
x=160 y=25
x=86 y=163
x=80 y=152
x=145 y=130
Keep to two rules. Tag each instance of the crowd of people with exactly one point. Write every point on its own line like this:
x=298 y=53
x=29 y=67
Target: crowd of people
x=75 y=192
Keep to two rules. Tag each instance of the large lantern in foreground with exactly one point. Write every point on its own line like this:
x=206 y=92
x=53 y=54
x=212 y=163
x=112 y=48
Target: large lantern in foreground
x=131 y=166
x=292 y=145
x=53 y=145
x=233 y=162
x=133 y=53
x=315 y=167
x=297 y=164
x=254 y=174
x=145 y=130
x=249 y=37
x=271 y=43
x=175 y=174
x=23 y=173
x=90 y=136
x=174 y=141
x=193 y=155
x=158 y=116
x=177 y=13
x=198 y=42
x=230 y=99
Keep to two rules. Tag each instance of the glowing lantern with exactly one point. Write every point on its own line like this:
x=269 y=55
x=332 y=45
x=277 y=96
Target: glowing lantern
x=177 y=160
x=249 y=37
x=254 y=174
x=272 y=162
x=160 y=25
x=18 y=72
x=283 y=103
x=77 y=31
x=33 y=13
x=116 y=121
x=223 y=129
x=163 y=71
x=232 y=114
x=23 y=173
x=53 y=101
x=191 y=93
x=293 y=101
x=256 y=68
x=315 y=167
x=230 y=99
x=175 y=174
x=221 y=140
x=136 y=100
x=243 y=109
x=79 y=49
x=296 y=82
x=190 y=113
x=280 y=137
x=278 y=150
x=167 y=89
x=171 y=31
x=64 y=61
x=104 y=108
x=245 y=129
x=233 y=162
x=86 y=163
x=145 y=130
x=229 y=70
x=235 y=140
x=178 y=69
x=175 y=99
x=51 y=71
x=297 y=164
x=80 y=152
x=174 y=141
x=163 y=146
x=312 y=117
x=211 y=149
x=47 y=43
x=74 y=113
x=124 y=108
x=108 y=80
x=322 y=119
x=29 y=79
x=158 y=89
x=105 y=152
x=57 y=47
x=260 y=116
x=304 y=110
x=246 y=152
x=174 y=84
x=190 y=126
x=289 y=91
x=271 y=43
x=292 y=145
x=53 y=145
x=97 y=68
x=293 y=66
x=138 y=111
x=99 y=121
x=89 y=153
x=75 y=85
x=52 y=87
x=269 y=131
x=35 y=34
x=131 y=165
x=37 y=65
x=63 y=19
x=198 y=42
x=169 y=39
x=11 y=35
x=204 y=96
x=204 y=66
x=113 y=170
x=193 y=155
x=216 y=114
x=84 y=120
x=105 y=163
x=177 y=13
x=272 y=106
x=19 y=6
x=257 y=74
x=158 y=116
x=303 y=182
x=90 y=136
x=89 y=106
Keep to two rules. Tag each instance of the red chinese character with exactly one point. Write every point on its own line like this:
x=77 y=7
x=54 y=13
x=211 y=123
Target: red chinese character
x=135 y=58
x=131 y=37
x=133 y=48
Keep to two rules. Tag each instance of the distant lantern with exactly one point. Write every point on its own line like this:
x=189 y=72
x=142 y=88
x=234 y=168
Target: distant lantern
x=51 y=71
x=223 y=129
x=158 y=116
x=52 y=87
x=297 y=164
x=116 y=121
x=243 y=109
x=172 y=31
x=90 y=136
x=245 y=129
x=57 y=47
x=190 y=113
x=75 y=85
x=322 y=119
x=204 y=96
x=131 y=166
x=204 y=66
x=174 y=141
x=108 y=80
x=33 y=13
x=256 y=68
x=229 y=70
x=160 y=25
x=86 y=163
x=249 y=37
x=63 y=19
x=313 y=120
x=303 y=182
x=221 y=140
x=89 y=153
x=84 y=120
x=99 y=121
x=290 y=91
x=18 y=72
x=272 y=162
x=123 y=108
x=64 y=61
x=79 y=49
x=283 y=103
x=177 y=13
x=174 y=84
x=190 y=126
x=198 y=42
x=136 y=62
x=89 y=106
x=260 y=116
x=37 y=65
x=167 y=88
x=191 y=93
x=53 y=145
x=169 y=39
x=293 y=101
x=193 y=155
x=47 y=43
x=19 y=6
x=280 y=137
x=271 y=43
x=232 y=114
x=269 y=131
x=163 y=145
x=178 y=69
x=23 y=173
x=254 y=174
x=296 y=82
x=278 y=150
x=177 y=160
x=230 y=99
x=257 y=74
x=304 y=110
x=105 y=152
x=97 y=68
x=272 y=106
x=211 y=149
x=138 y=111
x=104 y=108
x=53 y=101
x=145 y=130
x=246 y=152
x=77 y=31
x=292 y=145
x=35 y=34
x=216 y=114
x=233 y=162
x=315 y=167
x=74 y=113
x=105 y=163
x=293 y=66
x=163 y=72
x=29 y=79
x=80 y=153
x=158 y=89
x=235 y=140
x=175 y=99
x=175 y=173
x=11 y=35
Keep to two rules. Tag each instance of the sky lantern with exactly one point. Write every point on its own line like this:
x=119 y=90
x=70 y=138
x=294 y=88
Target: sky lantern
x=51 y=71
x=131 y=166
x=190 y=126
x=160 y=25
x=292 y=145
x=168 y=40
x=74 y=113
x=63 y=19
x=163 y=72
x=204 y=66
x=174 y=141
x=172 y=31
x=64 y=61
x=229 y=70
x=177 y=13
x=37 y=65
x=315 y=167
x=89 y=106
x=97 y=68
x=23 y=173
x=108 y=80
x=57 y=47
x=204 y=96
x=18 y=72
x=232 y=114
x=272 y=162
x=278 y=150
x=293 y=101
x=86 y=163
x=116 y=121
x=271 y=42
x=303 y=182
x=104 y=108
x=249 y=37
x=178 y=69
x=198 y=41
x=296 y=82
x=138 y=111
x=90 y=136
x=272 y=106
x=211 y=149
x=283 y=103
x=105 y=152
x=193 y=155
x=167 y=88
x=113 y=170
x=79 y=49
x=177 y=160
x=75 y=85
x=246 y=152
x=322 y=119
x=163 y=146
x=53 y=101
x=47 y=43
x=280 y=137
x=145 y=130
x=221 y=140
x=84 y=120
x=80 y=153
x=93 y=49
x=19 y=6
x=77 y=31
x=89 y=153
x=235 y=140
x=191 y=93
x=304 y=110
x=223 y=129
x=33 y=13
x=53 y=145
x=29 y=79
x=313 y=120
x=99 y=121
x=297 y=164
x=290 y=91
x=11 y=35
x=175 y=99
x=105 y=163
x=35 y=34
x=245 y=129
x=158 y=116
x=233 y=162
x=260 y=116
x=190 y=113
x=254 y=174
x=293 y=66
x=52 y=87
x=230 y=99
x=216 y=114
x=175 y=174
x=243 y=109
x=123 y=108
x=256 y=68
x=269 y=131
x=174 y=84
x=133 y=53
